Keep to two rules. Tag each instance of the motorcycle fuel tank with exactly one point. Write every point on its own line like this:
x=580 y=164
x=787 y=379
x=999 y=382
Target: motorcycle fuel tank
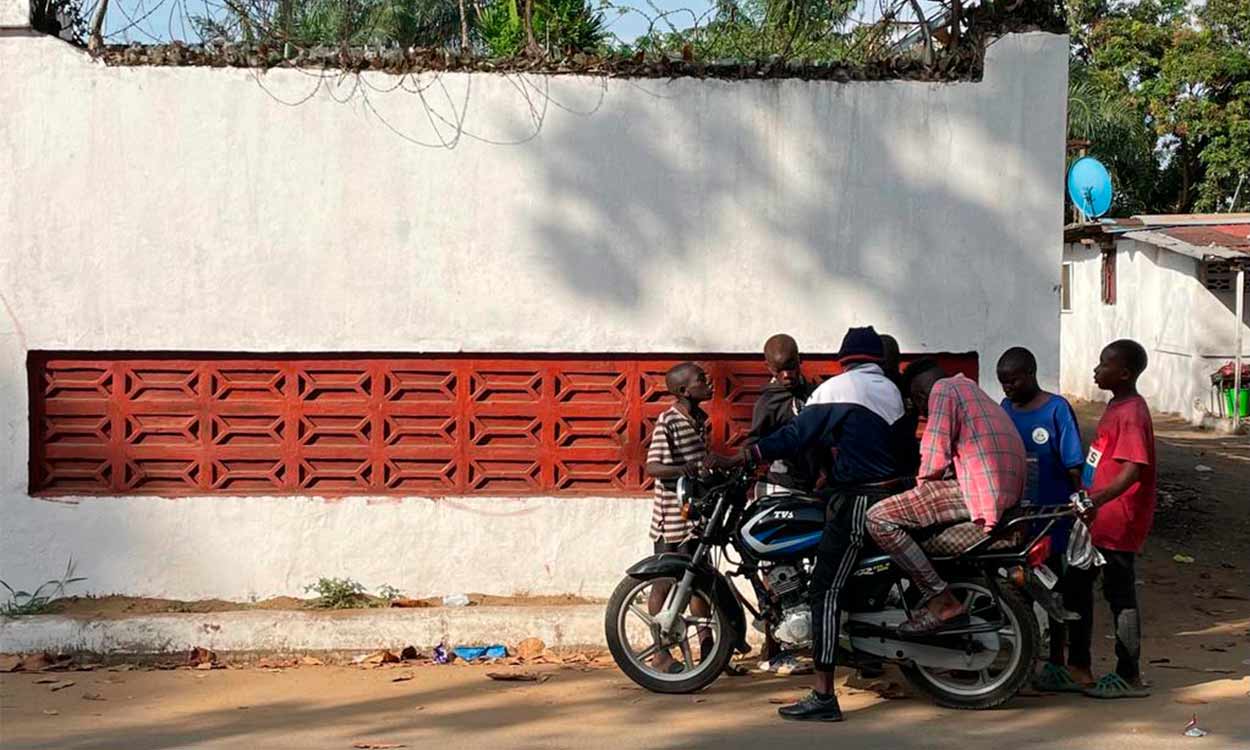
x=782 y=527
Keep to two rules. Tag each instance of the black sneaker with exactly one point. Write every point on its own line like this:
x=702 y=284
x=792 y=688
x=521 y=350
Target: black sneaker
x=813 y=708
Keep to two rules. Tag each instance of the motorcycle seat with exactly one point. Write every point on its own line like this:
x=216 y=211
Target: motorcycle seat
x=948 y=541
x=953 y=540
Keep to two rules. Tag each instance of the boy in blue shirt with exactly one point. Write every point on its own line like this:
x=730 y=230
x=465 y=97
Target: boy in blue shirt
x=1047 y=425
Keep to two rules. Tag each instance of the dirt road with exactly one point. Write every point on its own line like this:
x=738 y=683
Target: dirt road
x=455 y=707
x=1197 y=645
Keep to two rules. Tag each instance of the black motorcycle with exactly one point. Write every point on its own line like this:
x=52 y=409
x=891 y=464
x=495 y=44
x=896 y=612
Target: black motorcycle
x=674 y=621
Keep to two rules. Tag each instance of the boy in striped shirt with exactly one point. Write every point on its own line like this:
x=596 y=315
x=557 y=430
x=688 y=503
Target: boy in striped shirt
x=678 y=445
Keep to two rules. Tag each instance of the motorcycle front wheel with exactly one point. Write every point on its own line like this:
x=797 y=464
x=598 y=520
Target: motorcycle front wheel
x=689 y=660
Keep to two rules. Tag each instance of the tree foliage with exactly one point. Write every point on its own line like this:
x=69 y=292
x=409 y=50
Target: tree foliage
x=494 y=27
x=561 y=27
x=1162 y=90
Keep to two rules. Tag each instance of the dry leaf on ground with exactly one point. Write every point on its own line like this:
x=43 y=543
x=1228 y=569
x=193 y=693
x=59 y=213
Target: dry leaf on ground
x=378 y=657
x=10 y=663
x=93 y=697
x=311 y=661
x=401 y=678
x=61 y=685
x=36 y=662
x=530 y=648
x=376 y=745
x=200 y=655
x=518 y=676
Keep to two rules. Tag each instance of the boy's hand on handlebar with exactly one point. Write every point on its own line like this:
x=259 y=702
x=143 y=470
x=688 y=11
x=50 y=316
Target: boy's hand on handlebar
x=716 y=461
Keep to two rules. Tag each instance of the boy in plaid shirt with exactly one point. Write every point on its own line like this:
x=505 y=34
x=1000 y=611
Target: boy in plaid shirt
x=971 y=434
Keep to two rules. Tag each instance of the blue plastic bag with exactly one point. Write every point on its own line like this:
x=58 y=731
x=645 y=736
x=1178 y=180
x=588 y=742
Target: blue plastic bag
x=473 y=653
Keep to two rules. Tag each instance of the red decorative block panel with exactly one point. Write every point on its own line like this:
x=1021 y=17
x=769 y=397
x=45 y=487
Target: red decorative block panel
x=316 y=425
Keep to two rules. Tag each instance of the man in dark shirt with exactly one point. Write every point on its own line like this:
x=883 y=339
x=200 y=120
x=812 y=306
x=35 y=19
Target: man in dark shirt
x=855 y=429
x=780 y=402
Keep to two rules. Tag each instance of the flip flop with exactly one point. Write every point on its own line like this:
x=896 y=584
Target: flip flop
x=1112 y=686
x=1056 y=679
x=926 y=623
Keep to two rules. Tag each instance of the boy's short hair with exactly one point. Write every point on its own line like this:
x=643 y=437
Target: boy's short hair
x=680 y=374
x=1131 y=353
x=1018 y=358
x=916 y=369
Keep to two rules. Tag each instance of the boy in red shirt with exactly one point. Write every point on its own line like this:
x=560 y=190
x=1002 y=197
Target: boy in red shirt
x=1120 y=476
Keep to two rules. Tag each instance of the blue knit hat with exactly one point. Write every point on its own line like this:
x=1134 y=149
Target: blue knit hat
x=861 y=345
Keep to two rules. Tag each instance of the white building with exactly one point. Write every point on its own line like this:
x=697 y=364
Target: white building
x=258 y=329
x=1169 y=283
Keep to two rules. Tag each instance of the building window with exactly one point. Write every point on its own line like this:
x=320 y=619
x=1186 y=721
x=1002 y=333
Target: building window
x=1220 y=276
x=1065 y=288
x=1108 y=277
x=199 y=424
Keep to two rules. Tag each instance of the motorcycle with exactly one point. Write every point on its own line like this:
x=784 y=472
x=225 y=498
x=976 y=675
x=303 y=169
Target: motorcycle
x=675 y=621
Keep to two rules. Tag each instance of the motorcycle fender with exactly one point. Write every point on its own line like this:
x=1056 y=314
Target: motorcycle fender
x=662 y=565
x=1048 y=600
x=673 y=565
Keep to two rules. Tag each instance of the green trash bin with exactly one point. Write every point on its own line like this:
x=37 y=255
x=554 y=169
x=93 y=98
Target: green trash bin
x=1244 y=406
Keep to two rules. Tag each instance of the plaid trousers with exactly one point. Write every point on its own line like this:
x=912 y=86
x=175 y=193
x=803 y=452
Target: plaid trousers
x=891 y=521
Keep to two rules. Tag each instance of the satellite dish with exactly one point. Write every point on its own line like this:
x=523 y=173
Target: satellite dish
x=1089 y=186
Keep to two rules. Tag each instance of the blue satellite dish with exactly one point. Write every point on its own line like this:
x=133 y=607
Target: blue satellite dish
x=1089 y=186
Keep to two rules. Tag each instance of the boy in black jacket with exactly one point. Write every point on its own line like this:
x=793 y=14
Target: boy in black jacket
x=781 y=400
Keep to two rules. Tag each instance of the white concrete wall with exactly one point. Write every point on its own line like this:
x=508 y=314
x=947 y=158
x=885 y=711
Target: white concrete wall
x=191 y=209
x=14 y=14
x=1161 y=303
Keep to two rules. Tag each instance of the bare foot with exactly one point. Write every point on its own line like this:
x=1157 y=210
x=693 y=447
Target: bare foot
x=662 y=662
x=945 y=606
x=1081 y=675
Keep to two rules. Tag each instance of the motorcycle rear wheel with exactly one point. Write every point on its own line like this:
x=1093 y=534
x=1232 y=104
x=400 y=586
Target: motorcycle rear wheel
x=627 y=620
x=982 y=690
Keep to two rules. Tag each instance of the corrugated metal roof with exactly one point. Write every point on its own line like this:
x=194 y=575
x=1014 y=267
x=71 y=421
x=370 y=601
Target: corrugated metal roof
x=1189 y=220
x=1224 y=236
x=1231 y=236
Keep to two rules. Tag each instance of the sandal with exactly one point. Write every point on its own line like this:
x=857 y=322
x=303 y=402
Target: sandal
x=925 y=622
x=1113 y=686
x=1056 y=679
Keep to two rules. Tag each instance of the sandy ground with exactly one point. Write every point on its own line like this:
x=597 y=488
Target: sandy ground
x=1196 y=649
x=454 y=707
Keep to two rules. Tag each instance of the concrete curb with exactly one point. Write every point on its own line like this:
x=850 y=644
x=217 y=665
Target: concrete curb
x=286 y=631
